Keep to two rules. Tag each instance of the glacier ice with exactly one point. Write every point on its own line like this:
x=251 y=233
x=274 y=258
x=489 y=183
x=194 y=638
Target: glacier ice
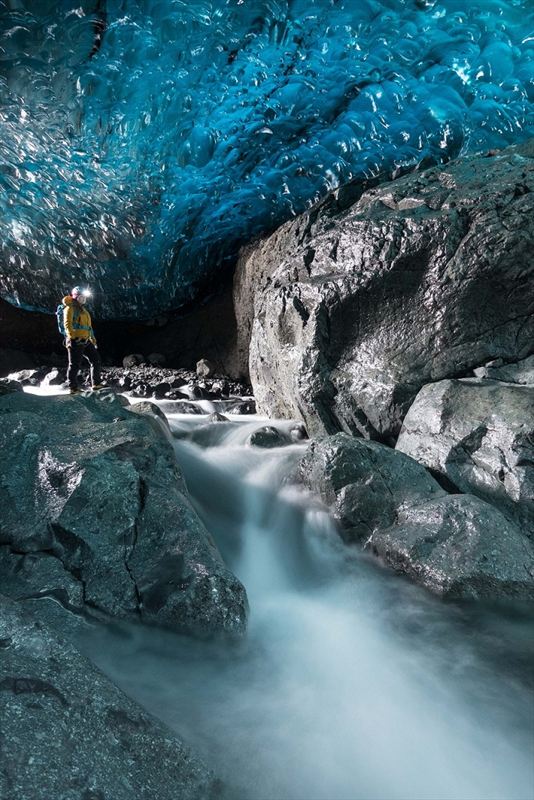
x=143 y=141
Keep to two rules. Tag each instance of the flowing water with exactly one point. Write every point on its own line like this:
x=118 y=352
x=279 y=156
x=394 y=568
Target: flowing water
x=352 y=684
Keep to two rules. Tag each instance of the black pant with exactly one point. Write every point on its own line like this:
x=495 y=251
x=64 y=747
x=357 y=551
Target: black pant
x=77 y=351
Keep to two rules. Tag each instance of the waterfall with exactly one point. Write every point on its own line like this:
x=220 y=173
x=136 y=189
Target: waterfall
x=352 y=684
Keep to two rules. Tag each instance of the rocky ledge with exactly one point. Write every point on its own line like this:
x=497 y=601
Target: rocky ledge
x=160 y=383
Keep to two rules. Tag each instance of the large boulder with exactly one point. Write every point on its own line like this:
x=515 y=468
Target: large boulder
x=69 y=734
x=364 y=483
x=95 y=512
x=461 y=548
x=479 y=435
x=358 y=303
x=455 y=545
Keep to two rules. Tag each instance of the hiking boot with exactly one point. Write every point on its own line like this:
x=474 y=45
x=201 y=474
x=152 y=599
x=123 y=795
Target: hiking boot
x=75 y=391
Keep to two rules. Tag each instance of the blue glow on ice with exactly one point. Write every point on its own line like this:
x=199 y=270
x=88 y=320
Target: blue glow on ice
x=142 y=141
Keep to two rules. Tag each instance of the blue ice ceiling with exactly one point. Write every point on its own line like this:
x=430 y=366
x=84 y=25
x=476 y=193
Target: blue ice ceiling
x=142 y=141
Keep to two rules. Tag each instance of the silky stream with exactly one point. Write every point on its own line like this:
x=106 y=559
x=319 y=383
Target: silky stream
x=352 y=683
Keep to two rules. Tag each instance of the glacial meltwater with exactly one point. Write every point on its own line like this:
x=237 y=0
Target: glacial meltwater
x=352 y=683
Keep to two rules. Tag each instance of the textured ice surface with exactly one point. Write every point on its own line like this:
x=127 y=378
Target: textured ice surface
x=142 y=141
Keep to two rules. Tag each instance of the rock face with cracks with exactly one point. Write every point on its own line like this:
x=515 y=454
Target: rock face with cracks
x=69 y=734
x=478 y=434
x=357 y=304
x=96 y=515
x=456 y=545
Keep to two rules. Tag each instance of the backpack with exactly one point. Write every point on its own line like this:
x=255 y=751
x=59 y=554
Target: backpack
x=60 y=319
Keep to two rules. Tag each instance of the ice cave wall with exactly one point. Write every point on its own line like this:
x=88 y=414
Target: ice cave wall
x=143 y=141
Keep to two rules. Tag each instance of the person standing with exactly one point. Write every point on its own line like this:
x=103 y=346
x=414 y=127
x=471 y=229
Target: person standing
x=80 y=339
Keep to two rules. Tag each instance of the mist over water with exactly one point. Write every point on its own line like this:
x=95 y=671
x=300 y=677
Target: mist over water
x=352 y=684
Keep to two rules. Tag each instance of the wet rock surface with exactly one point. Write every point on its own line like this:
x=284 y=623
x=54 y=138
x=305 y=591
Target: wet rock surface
x=97 y=515
x=68 y=732
x=461 y=548
x=358 y=303
x=267 y=436
x=478 y=434
x=364 y=483
x=455 y=545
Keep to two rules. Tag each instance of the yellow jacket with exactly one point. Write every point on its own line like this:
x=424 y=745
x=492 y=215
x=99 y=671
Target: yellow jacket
x=77 y=321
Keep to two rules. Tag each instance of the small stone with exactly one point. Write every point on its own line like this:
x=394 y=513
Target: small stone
x=268 y=436
x=298 y=432
x=220 y=389
x=132 y=360
x=205 y=368
x=243 y=407
x=216 y=417
x=198 y=392
x=161 y=389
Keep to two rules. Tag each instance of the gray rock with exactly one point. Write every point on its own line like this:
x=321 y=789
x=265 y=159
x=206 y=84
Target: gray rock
x=479 y=434
x=145 y=407
x=220 y=388
x=196 y=391
x=352 y=310
x=69 y=734
x=161 y=390
x=216 y=417
x=108 y=395
x=133 y=360
x=455 y=545
x=87 y=482
x=364 y=483
x=242 y=407
x=267 y=436
x=7 y=386
x=181 y=407
x=205 y=368
x=521 y=372
x=298 y=432
x=461 y=548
